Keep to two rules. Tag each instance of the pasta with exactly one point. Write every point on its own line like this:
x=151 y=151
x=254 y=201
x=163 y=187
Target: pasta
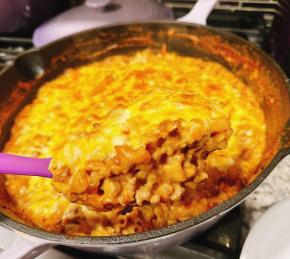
x=65 y=107
x=144 y=154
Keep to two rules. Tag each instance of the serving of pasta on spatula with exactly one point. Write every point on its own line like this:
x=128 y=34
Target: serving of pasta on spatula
x=146 y=153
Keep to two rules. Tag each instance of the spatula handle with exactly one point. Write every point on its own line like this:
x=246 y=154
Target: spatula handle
x=20 y=165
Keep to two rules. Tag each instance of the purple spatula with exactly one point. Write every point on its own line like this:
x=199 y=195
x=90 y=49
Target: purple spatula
x=20 y=165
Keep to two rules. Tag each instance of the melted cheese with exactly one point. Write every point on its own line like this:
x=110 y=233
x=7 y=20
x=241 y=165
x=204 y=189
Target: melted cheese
x=79 y=97
x=163 y=140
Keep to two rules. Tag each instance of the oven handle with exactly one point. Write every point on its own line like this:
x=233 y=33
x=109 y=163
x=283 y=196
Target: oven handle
x=199 y=12
x=19 y=246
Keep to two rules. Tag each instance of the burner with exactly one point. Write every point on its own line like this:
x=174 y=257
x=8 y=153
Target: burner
x=11 y=47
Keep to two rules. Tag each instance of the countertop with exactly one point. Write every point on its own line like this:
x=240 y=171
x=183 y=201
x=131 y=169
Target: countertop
x=276 y=187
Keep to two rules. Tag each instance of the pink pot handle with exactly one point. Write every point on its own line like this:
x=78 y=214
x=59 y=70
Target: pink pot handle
x=199 y=12
x=21 y=245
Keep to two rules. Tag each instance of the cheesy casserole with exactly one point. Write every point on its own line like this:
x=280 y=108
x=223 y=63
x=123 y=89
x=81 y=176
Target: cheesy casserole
x=146 y=153
x=67 y=108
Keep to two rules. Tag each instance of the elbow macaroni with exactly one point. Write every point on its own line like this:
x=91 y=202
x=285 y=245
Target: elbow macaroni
x=166 y=138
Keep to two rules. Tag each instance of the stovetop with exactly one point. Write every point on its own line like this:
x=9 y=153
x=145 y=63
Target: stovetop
x=11 y=46
x=250 y=19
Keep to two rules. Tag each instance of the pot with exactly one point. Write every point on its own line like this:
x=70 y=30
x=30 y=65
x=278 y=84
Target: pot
x=35 y=67
x=96 y=13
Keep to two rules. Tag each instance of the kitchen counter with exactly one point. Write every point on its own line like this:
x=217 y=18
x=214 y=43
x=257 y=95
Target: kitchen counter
x=276 y=187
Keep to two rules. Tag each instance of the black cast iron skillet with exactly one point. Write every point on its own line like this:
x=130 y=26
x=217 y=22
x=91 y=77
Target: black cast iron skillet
x=19 y=84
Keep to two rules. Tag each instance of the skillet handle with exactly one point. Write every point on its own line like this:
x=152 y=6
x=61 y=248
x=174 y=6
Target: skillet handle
x=20 y=246
x=199 y=12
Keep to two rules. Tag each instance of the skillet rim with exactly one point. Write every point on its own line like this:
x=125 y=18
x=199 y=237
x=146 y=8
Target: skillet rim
x=171 y=229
